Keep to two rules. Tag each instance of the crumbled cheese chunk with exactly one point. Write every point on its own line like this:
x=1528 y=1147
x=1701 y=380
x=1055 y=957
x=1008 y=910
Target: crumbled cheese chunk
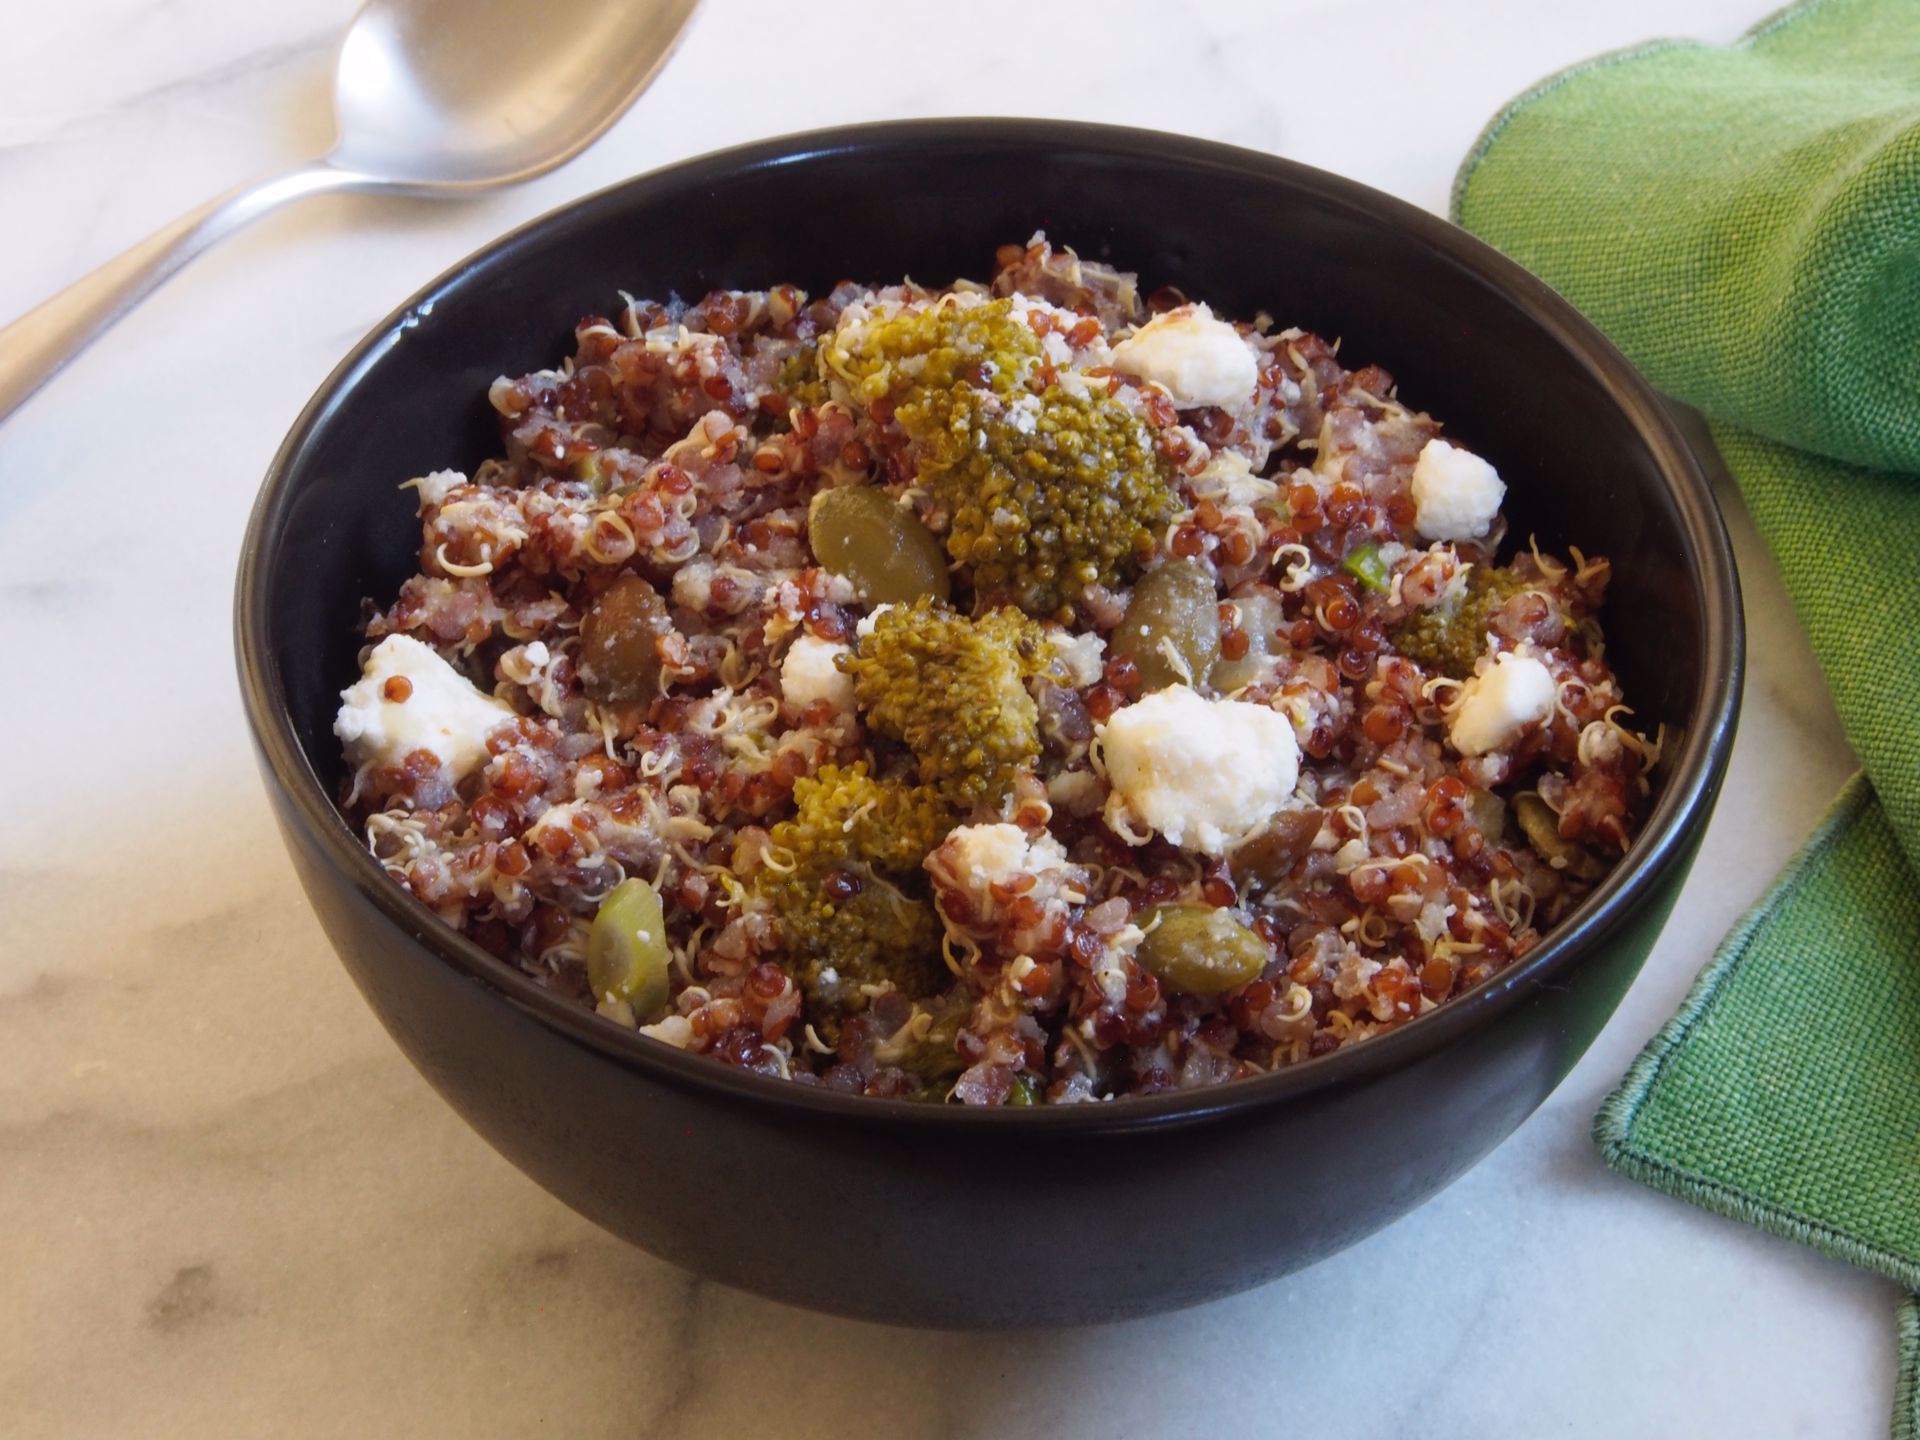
x=1456 y=494
x=1229 y=476
x=1200 y=772
x=1350 y=855
x=433 y=488
x=442 y=712
x=864 y=626
x=1197 y=359
x=809 y=674
x=1082 y=656
x=990 y=854
x=1496 y=705
x=693 y=584
x=675 y=1030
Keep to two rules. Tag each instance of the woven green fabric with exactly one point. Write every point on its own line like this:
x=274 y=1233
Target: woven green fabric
x=1820 y=1139
x=1741 y=220
x=1744 y=221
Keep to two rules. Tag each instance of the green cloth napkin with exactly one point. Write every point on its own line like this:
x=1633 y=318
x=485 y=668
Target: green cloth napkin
x=1744 y=221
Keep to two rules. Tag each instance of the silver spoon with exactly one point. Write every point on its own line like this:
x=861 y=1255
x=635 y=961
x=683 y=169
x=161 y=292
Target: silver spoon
x=430 y=97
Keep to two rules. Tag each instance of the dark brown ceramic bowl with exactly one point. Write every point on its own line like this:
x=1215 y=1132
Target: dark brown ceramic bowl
x=946 y=1216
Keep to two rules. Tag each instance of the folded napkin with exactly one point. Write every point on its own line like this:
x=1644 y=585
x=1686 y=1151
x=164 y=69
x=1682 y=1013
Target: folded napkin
x=1744 y=222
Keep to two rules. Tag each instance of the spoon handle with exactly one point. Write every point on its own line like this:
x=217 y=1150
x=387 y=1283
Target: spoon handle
x=34 y=347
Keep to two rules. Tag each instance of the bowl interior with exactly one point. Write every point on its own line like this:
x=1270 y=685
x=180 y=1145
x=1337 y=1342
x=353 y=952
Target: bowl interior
x=1474 y=341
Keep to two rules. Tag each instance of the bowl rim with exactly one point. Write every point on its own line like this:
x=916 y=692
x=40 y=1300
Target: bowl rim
x=1664 y=842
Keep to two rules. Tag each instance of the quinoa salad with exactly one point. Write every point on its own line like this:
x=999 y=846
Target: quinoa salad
x=1032 y=691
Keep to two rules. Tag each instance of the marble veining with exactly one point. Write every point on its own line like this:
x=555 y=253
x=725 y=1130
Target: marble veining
x=233 y=1209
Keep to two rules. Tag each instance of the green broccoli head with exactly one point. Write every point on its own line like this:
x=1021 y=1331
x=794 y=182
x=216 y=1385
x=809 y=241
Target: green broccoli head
x=844 y=921
x=1050 y=483
x=953 y=690
x=927 y=351
x=843 y=816
x=877 y=935
x=1448 y=638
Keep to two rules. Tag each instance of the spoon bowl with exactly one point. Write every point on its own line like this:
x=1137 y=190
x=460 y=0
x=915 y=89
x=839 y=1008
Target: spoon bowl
x=464 y=94
x=430 y=97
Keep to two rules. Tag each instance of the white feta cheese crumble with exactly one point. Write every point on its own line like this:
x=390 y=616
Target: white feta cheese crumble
x=864 y=626
x=1200 y=772
x=989 y=854
x=675 y=1030
x=1197 y=359
x=1229 y=476
x=1082 y=656
x=1496 y=705
x=693 y=584
x=442 y=712
x=433 y=488
x=1456 y=494
x=808 y=674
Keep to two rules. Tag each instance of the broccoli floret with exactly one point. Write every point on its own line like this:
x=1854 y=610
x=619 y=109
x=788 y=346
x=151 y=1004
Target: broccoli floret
x=878 y=935
x=1448 y=638
x=843 y=919
x=954 y=692
x=844 y=815
x=1071 y=498
x=1051 y=485
x=924 y=353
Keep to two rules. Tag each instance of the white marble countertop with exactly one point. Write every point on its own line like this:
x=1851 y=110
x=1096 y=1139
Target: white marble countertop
x=233 y=1209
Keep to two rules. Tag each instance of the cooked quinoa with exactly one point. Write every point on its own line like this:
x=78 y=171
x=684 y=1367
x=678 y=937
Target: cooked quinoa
x=1013 y=693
